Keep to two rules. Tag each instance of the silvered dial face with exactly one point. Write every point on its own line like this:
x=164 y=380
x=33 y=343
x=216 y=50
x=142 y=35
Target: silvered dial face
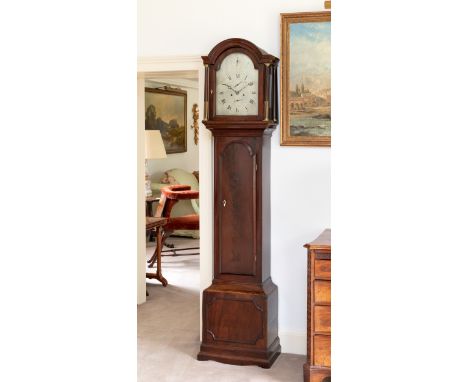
x=237 y=86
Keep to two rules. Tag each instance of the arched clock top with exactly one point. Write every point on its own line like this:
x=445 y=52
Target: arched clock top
x=238 y=143
x=257 y=54
x=221 y=58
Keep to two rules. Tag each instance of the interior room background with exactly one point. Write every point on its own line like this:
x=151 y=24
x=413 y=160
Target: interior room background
x=300 y=176
x=188 y=160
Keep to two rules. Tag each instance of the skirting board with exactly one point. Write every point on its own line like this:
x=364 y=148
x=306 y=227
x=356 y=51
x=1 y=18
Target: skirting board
x=293 y=342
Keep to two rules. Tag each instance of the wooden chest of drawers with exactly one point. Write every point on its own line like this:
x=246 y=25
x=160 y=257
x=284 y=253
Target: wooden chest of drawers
x=318 y=365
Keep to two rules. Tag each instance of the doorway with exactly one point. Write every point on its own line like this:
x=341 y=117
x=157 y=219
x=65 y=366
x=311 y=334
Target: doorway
x=167 y=70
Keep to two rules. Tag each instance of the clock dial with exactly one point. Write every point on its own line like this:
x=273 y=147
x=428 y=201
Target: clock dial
x=237 y=86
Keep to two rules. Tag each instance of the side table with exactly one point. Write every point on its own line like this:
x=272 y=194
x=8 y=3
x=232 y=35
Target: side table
x=157 y=224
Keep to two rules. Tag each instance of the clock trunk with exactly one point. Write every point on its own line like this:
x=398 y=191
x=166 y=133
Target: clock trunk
x=235 y=198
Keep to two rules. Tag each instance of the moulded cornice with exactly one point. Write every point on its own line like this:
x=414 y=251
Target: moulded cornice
x=147 y=64
x=176 y=81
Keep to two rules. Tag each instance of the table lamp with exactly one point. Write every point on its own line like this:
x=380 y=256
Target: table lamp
x=154 y=149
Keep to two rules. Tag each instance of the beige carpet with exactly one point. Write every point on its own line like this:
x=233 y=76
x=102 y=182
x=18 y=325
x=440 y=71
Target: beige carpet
x=168 y=332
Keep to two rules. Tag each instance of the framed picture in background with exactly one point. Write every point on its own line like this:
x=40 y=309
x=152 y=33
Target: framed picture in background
x=166 y=111
x=305 y=79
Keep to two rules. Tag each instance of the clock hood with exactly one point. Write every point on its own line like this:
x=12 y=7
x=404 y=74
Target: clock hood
x=265 y=97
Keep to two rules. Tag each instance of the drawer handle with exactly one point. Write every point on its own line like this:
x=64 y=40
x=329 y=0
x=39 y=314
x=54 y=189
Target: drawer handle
x=224 y=203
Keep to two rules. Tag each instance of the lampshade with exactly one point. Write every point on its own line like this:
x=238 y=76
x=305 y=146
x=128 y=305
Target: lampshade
x=154 y=145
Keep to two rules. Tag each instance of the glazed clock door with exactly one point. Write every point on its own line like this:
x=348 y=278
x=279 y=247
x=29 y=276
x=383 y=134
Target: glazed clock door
x=237 y=207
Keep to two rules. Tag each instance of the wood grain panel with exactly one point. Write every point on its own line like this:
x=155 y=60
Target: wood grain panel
x=237 y=208
x=322 y=350
x=322 y=319
x=234 y=320
x=322 y=291
x=323 y=269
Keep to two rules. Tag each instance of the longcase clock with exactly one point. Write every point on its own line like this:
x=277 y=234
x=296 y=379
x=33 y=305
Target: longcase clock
x=240 y=308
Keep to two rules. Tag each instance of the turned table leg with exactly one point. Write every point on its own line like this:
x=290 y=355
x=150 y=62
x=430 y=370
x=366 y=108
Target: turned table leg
x=157 y=253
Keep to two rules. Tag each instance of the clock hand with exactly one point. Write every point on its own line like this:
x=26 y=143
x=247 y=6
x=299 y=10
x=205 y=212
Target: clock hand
x=228 y=86
x=237 y=92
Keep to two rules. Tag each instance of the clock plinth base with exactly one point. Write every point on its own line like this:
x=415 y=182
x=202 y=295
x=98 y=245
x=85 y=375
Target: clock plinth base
x=240 y=324
x=240 y=356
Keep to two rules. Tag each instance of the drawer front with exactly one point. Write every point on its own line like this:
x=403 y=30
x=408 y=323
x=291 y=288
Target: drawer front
x=322 y=292
x=322 y=350
x=323 y=376
x=322 y=269
x=322 y=319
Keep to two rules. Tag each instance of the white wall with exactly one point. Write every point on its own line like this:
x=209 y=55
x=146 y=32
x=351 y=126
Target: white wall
x=300 y=180
x=188 y=160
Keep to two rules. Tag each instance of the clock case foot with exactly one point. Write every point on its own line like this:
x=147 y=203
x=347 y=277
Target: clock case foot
x=241 y=356
x=250 y=337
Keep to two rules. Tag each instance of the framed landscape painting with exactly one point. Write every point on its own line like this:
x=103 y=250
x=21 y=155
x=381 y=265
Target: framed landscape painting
x=305 y=79
x=166 y=111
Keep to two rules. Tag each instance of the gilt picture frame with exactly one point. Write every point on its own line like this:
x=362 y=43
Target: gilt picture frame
x=166 y=111
x=305 y=79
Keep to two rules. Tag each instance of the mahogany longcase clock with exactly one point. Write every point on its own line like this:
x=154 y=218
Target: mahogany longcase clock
x=240 y=308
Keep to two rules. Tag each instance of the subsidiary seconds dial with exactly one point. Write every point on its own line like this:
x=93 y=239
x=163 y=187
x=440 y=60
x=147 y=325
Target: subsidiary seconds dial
x=237 y=86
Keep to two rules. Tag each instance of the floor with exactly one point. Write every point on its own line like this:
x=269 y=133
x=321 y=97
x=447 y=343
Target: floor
x=169 y=334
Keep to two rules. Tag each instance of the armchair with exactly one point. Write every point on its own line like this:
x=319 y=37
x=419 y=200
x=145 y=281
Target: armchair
x=185 y=207
x=170 y=195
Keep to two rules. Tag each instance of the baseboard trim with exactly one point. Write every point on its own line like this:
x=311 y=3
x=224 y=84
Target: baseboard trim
x=293 y=342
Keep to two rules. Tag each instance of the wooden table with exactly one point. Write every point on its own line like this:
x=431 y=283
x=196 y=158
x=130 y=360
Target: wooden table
x=158 y=224
x=318 y=365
